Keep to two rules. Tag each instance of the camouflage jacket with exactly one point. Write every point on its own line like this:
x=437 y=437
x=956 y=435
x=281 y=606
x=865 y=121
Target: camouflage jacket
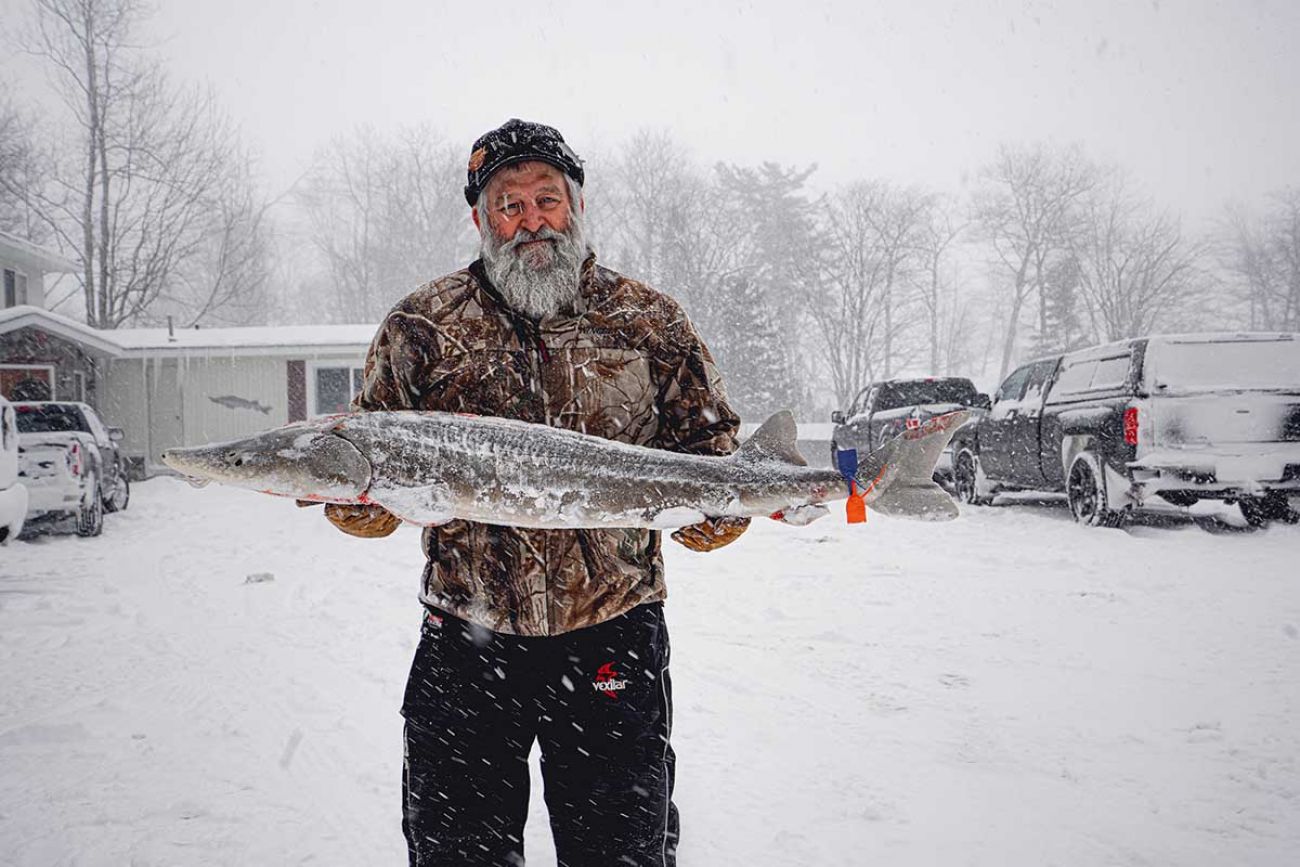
x=626 y=365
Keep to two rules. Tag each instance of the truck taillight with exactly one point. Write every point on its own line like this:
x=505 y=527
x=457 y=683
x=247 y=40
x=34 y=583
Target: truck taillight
x=74 y=459
x=1131 y=426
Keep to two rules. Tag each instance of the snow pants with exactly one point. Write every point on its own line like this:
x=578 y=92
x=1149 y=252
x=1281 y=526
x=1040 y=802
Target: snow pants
x=599 y=702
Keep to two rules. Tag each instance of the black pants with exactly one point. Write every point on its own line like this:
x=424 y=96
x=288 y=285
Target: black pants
x=599 y=700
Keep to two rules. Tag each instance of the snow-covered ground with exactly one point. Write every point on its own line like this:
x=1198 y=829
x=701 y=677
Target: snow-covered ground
x=1007 y=689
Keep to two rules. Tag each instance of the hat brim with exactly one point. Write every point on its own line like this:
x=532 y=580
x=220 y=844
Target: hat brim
x=472 y=196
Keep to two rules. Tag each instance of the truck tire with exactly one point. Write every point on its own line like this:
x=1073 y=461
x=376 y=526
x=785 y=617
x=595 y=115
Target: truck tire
x=966 y=473
x=1085 y=488
x=116 y=497
x=1273 y=506
x=90 y=516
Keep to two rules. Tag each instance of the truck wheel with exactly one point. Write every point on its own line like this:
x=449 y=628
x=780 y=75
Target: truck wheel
x=1087 y=493
x=90 y=517
x=965 y=471
x=1273 y=506
x=119 y=495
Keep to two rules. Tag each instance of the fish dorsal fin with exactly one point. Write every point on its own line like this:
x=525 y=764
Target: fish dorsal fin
x=773 y=441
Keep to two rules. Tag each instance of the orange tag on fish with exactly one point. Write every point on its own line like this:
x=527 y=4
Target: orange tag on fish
x=855 y=507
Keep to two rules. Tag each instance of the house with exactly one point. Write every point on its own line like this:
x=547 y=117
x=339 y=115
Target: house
x=169 y=387
x=23 y=266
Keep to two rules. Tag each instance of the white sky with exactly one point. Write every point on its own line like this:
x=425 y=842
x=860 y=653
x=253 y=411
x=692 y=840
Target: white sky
x=1197 y=98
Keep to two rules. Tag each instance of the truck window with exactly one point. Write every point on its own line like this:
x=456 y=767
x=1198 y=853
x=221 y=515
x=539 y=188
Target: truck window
x=1013 y=387
x=1038 y=377
x=1112 y=372
x=48 y=418
x=895 y=395
x=1076 y=377
x=859 y=401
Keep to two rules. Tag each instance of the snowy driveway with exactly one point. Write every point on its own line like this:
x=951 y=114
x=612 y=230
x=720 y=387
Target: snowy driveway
x=1008 y=689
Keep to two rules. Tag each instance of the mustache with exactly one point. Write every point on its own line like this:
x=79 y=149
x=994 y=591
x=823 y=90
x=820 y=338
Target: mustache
x=523 y=236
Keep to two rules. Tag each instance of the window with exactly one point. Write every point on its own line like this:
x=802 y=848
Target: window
x=1014 y=385
x=332 y=388
x=1076 y=377
x=895 y=395
x=10 y=288
x=860 y=402
x=1038 y=377
x=1112 y=372
x=27 y=381
x=21 y=291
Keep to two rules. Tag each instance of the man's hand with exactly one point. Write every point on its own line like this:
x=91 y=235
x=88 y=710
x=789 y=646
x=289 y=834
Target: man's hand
x=711 y=533
x=368 y=522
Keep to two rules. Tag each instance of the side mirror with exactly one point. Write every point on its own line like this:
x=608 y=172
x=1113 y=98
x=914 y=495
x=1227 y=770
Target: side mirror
x=982 y=401
x=837 y=417
x=116 y=434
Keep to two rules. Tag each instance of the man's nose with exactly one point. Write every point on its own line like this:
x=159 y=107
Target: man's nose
x=533 y=219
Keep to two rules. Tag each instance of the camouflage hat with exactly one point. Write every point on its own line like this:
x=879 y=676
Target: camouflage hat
x=518 y=141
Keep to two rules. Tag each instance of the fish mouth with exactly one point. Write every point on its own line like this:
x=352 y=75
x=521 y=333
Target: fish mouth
x=170 y=458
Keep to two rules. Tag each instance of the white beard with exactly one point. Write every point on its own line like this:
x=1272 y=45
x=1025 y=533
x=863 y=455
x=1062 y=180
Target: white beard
x=541 y=279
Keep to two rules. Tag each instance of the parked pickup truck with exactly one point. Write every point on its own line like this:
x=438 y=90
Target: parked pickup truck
x=71 y=465
x=13 y=493
x=882 y=410
x=1150 y=423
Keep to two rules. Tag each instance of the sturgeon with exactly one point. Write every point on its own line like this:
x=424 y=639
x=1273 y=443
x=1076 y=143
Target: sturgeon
x=431 y=467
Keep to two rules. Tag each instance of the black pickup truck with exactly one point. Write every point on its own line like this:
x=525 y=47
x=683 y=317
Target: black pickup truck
x=1149 y=424
x=883 y=409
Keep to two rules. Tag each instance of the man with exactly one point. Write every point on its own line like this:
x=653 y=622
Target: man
x=549 y=635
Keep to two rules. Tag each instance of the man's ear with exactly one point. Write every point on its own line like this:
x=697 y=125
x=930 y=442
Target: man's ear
x=473 y=212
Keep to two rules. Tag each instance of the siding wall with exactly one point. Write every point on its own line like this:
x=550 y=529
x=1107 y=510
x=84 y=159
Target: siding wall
x=166 y=402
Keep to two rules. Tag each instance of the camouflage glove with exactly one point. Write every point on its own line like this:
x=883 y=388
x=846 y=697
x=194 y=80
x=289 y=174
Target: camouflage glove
x=711 y=533
x=368 y=522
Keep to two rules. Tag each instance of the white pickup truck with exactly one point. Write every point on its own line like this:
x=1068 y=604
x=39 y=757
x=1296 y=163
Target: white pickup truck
x=13 y=493
x=69 y=460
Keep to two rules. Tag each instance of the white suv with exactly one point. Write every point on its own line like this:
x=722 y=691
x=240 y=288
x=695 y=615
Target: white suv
x=13 y=494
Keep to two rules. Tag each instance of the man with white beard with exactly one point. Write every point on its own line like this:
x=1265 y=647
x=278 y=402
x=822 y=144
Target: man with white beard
x=548 y=636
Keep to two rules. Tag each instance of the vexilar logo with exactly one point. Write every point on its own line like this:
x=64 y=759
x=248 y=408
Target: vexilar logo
x=608 y=682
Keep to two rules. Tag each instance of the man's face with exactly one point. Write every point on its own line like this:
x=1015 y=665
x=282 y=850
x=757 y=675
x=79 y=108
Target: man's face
x=528 y=196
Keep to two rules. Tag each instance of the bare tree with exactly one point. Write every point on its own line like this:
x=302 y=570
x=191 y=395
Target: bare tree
x=874 y=231
x=1264 y=256
x=386 y=215
x=1134 y=263
x=146 y=179
x=20 y=171
x=937 y=234
x=1027 y=210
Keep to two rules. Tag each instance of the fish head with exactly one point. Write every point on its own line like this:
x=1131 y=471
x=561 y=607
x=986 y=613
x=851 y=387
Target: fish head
x=300 y=461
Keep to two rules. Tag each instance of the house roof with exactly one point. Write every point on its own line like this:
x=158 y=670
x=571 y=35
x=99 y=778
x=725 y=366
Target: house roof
x=190 y=342
x=45 y=259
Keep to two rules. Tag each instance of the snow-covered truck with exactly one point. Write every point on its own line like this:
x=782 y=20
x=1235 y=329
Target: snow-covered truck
x=1147 y=424
x=13 y=493
x=886 y=408
x=69 y=461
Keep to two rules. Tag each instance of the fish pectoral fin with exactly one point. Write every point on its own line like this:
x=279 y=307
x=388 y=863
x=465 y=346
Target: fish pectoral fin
x=802 y=516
